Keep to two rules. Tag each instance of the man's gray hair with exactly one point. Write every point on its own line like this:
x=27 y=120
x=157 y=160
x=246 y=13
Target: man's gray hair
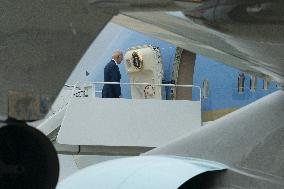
x=116 y=53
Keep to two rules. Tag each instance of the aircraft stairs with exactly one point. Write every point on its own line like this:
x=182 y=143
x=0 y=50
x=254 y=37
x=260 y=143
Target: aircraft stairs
x=87 y=124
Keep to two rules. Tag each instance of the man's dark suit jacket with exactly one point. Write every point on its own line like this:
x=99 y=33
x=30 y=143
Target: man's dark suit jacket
x=111 y=74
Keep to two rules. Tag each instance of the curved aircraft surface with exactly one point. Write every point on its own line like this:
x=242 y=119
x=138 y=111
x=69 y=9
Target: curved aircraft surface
x=41 y=39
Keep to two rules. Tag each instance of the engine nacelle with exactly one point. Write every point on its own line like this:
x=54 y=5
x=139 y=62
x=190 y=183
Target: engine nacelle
x=27 y=158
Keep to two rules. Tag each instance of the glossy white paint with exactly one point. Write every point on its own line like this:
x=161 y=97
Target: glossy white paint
x=140 y=173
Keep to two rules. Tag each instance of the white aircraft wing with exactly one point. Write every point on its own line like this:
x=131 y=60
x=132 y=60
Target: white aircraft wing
x=261 y=54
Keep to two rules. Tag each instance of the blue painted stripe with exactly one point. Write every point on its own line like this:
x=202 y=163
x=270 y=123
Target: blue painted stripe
x=223 y=85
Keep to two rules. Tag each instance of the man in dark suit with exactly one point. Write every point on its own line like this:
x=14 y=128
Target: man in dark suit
x=112 y=74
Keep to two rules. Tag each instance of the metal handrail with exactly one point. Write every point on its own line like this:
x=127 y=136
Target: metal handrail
x=153 y=84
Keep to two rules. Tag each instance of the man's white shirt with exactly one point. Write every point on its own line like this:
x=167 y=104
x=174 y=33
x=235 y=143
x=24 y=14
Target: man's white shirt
x=114 y=61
